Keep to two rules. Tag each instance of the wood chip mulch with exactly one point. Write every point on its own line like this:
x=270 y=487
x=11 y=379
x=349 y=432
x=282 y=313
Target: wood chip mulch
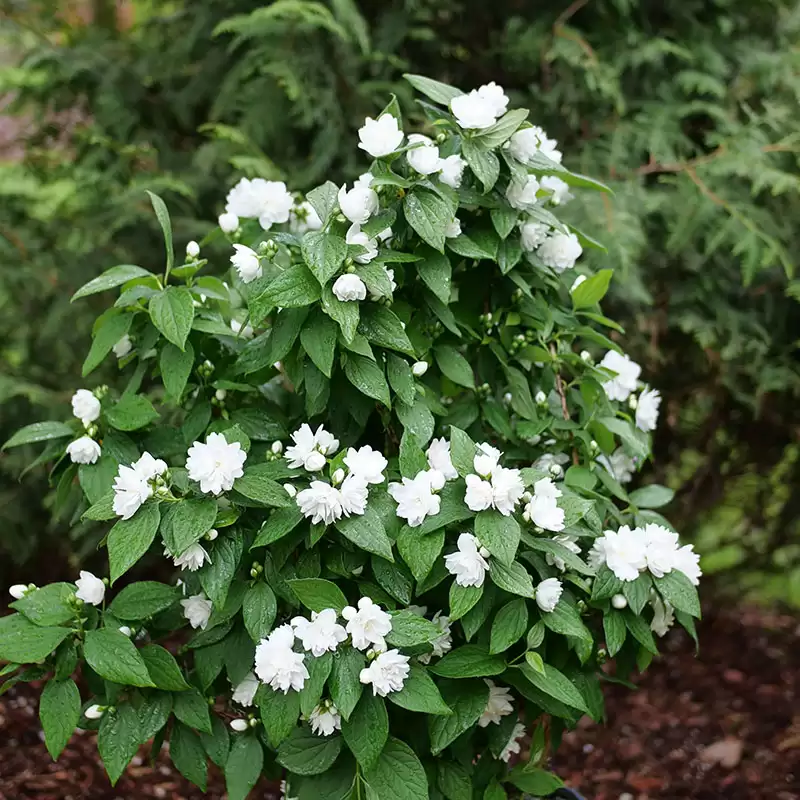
x=724 y=725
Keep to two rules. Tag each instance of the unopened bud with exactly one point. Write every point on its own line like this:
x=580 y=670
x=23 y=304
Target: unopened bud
x=289 y=489
x=212 y=534
x=94 y=712
x=228 y=222
x=556 y=471
x=541 y=398
x=239 y=725
x=220 y=394
x=619 y=601
x=19 y=590
x=586 y=356
x=314 y=462
x=633 y=402
x=419 y=368
x=277 y=447
x=125 y=630
x=192 y=249
x=338 y=476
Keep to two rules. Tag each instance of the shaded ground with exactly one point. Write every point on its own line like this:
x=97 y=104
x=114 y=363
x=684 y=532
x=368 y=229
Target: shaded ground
x=723 y=726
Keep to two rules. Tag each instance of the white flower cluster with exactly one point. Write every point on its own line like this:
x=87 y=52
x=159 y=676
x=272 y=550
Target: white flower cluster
x=542 y=509
x=622 y=386
x=480 y=108
x=267 y=201
x=493 y=486
x=134 y=485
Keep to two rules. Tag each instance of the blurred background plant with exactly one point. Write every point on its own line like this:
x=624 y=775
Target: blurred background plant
x=689 y=112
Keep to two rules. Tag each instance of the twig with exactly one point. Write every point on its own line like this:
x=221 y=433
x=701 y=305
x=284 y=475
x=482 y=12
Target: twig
x=560 y=386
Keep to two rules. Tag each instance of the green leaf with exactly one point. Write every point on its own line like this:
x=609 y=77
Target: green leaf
x=143 y=599
x=344 y=683
x=40 y=432
x=557 y=685
x=435 y=271
x=217 y=743
x=394 y=579
x=317 y=594
x=176 y=367
x=383 y=328
x=503 y=129
x=346 y=313
x=454 y=366
x=131 y=538
x=368 y=378
x=615 y=631
x=172 y=312
x=259 y=610
x=324 y=199
x=59 y=712
x=467 y=700
x=367 y=730
x=49 y=605
x=166 y=227
x=279 y=712
x=243 y=768
x=305 y=753
x=634 y=440
x=478 y=244
x=454 y=780
x=153 y=714
x=494 y=791
x=296 y=286
x=498 y=534
x=484 y=163
x=640 y=630
x=113 y=656
x=513 y=578
x=509 y=625
x=216 y=576
x=115 y=276
x=679 y=592
x=397 y=773
x=504 y=219
x=133 y=411
x=188 y=755
x=637 y=592
x=462 y=599
x=428 y=215
x=558 y=550
x=565 y=619
x=191 y=708
x=102 y=510
x=163 y=669
x=592 y=290
x=319 y=670
x=509 y=254
x=190 y=520
x=324 y=254
x=118 y=739
x=410 y=630
x=534 y=781
x=401 y=378
x=281 y=522
x=22 y=642
x=462 y=451
x=419 y=693
x=110 y=331
x=652 y=496
x=438 y=92
x=420 y=551
x=469 y=661
x=318 y=338
x=367 y=532
x=606 y=584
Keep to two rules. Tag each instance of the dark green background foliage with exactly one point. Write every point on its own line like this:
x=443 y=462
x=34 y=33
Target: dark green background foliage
x=688 y=110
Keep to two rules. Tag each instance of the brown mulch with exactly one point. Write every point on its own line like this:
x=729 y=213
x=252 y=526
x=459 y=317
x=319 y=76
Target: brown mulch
x=722 y=726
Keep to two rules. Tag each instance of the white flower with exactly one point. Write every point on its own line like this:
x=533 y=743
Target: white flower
x=424 y=157
x=245 y=691
x=197 y=609
x=453 y=229
x=325 y=718
x=239 y=725
x=246 y=263
x=498 y=706
x=647 y=410
x=94 y=711
x=522 y=196
x=90 y=589
x=321 y=501
x=473 y=110
x=419 y=368
x=507 y=489
x=663 y=616
x=468 y=563
x=228 y=222
x=368 y=625
x=545 y=513
x=123 y=346
x=415 y=497
x=495 y=96
x=513 y=745
x=575 y=284
x=560 y=190
x=548 y=460
x=349 y=287
x=245 y=199
x=18 y=591
x=359 y=204
x=85 y=406
x=438 y=454
x=307 y=444
x=327 y=443
x=83 y=451
x=486 y=459
x=387 y=673
x=380 y=137
x=243 y=331
x=479 y=493
x=661 y=547
x=356 y=236
x=619 y=601
x=321 y=634
x=548 y=593
x=620 y=387
x=560 y=251
x=688 y=562
x=367 y=463
x=131 y=490
x=623 y=551
x=526 y=143
x=533 y=235
x=452 y=171
x=277 y=664
x=570 y=543
x=269 y=201
x=304 y=218
x=353 y=493
x=192 y=558
x=192 y=249
x=441 y=644
x=215 y=464
x=620 y=465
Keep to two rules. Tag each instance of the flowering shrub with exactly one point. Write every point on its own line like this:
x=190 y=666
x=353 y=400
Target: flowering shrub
x=389 y=461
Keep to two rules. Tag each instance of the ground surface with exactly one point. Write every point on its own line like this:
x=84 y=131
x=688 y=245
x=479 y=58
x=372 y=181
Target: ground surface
x=722 y=726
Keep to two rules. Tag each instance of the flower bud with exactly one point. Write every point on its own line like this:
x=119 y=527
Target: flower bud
x=212 y=534
x=220 y=394
x=619 y=602
x=337 y=476
x=19 y=590
x=419 y=368
x=507 y=398
x=253 y=722
x=192 y=249
x=289 y=489
x=125 y=630
x=94 y=712
x=556 y=471
x=541 y=398
x=586 y=356
x=277 y=447
x=239 y=725
x=594 y=447
x=633 y=402
x=228 y=222
x=315 y=462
